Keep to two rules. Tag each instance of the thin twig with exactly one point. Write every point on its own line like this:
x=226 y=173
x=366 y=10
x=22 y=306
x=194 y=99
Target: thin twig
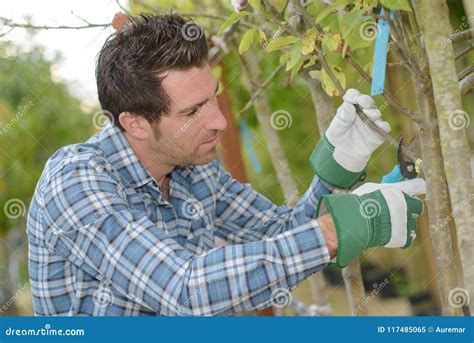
x=462 y=36
x=386 y=94
x=10 y=23
x=126 y=11
x=260 y=89
x=463 y=73
x=309 y=21
x=466 y=84
x=464 y=52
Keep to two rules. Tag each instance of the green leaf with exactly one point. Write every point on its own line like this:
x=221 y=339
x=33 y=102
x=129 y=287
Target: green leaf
x=281 y=42
x=235 y=17
x=338 y=4
x=403 y=5
x=256 y=4
x=366 y=5
x=349 y=20
x=315 y=74
x=315 y=7
x=295 y=55
x=308 y=45
x=297 y=67
x=311 y=62
x=329 y=86
x=285 y=57
x=331 y=41
x=363 y=35
x=247 y=40
x=262 y=38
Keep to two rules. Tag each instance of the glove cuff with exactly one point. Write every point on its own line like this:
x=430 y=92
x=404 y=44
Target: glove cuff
x=359 y=224
x=327 y=169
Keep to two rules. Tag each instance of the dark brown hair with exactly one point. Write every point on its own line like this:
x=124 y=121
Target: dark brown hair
x=129 y=63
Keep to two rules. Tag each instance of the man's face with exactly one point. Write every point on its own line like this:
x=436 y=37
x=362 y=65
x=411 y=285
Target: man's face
x=188 y=134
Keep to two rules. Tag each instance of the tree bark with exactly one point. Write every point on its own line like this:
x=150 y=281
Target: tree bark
x=352 y=274
x=437 y=200
x=280 y=163
x=433 y=17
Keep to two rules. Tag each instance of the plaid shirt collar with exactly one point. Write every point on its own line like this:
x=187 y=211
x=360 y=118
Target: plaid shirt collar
x=118 y=152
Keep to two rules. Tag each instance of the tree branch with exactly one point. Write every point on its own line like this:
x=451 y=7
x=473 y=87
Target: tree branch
x=465 y=72
x=387 y=95
x=260 y=89
x=310 y=22
x=464 y=52
x=10 y=23
x=466 y=85
x=462 y=36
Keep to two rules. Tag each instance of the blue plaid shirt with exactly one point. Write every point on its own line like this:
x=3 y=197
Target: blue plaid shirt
x=104 y=241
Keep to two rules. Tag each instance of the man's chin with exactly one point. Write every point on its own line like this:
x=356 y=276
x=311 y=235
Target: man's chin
x=211 y=155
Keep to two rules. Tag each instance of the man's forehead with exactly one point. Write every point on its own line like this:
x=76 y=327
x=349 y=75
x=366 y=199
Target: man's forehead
x=188 y=87
x=189 y=80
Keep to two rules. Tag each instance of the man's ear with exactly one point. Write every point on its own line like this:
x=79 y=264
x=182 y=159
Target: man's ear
x=135 y=125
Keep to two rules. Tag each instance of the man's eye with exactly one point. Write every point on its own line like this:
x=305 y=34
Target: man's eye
x=193 y=112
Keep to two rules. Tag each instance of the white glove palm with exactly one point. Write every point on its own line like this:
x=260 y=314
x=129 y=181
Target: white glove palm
x=353 y=140
x=397 y=206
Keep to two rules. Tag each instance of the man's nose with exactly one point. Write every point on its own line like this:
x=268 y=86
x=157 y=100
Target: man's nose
x=218 y=121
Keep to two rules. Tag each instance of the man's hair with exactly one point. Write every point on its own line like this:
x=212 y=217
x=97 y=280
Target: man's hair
x=129 y=63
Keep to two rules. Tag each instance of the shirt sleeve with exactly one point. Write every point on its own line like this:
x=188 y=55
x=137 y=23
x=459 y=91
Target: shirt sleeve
x=88 y=222
x=243 y=215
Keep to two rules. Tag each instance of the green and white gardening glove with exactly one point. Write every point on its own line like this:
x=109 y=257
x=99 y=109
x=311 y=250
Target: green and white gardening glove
x=341 y=156
x=374 y=215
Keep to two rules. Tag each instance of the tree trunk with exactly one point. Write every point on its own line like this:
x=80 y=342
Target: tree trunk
x=351 y=274
x=279 y=161
x=437 y=200
x=433 y=16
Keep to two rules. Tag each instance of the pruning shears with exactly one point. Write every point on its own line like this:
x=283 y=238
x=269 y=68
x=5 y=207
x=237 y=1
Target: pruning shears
x=406 y=168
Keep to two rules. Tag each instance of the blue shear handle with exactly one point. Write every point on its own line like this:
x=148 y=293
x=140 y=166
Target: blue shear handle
x=394 y=176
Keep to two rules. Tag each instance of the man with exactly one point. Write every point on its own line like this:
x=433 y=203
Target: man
x=124 y=224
